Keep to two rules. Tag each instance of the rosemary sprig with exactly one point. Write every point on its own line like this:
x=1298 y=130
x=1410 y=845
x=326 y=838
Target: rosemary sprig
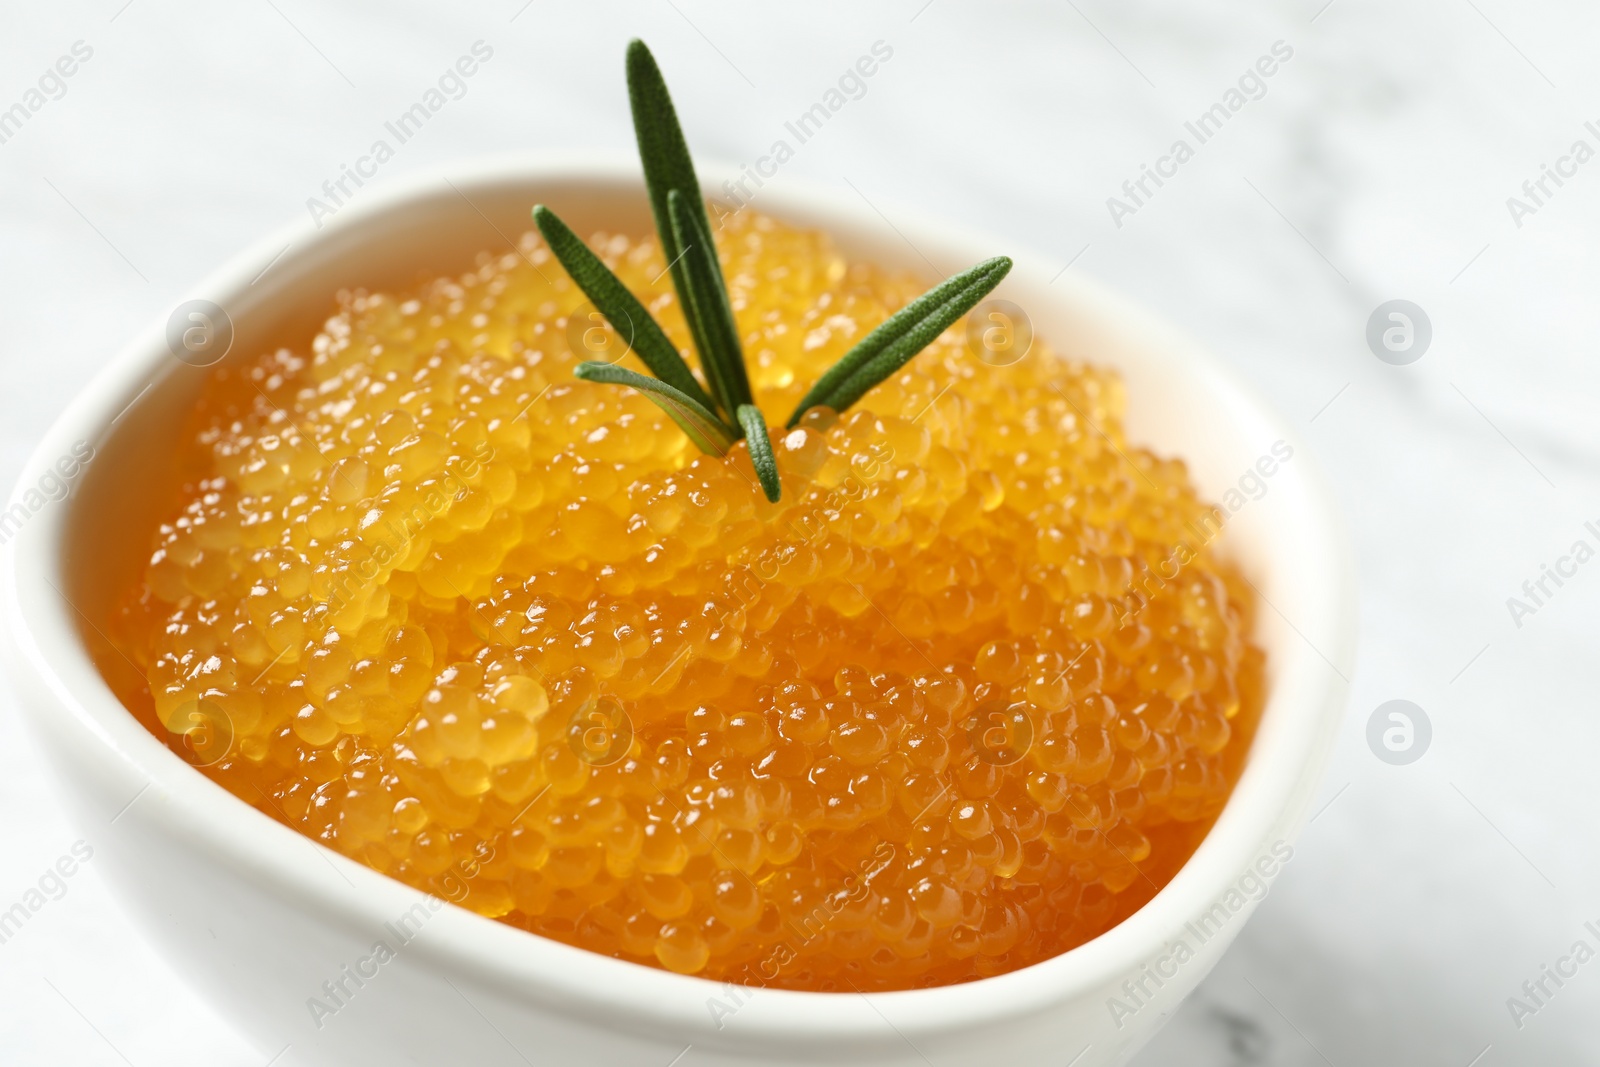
x=715 y=419
x=709 y=433
x=905 y=333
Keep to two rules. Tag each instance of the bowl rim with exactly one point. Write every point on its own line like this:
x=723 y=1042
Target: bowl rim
x=42 y=635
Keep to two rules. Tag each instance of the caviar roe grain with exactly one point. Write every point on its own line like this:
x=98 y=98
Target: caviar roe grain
x=507 y=635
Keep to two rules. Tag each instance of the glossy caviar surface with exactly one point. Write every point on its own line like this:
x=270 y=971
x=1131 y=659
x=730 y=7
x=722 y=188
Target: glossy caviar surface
x=965 y=697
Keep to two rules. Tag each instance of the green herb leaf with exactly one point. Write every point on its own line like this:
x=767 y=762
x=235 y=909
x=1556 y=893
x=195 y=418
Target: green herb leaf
x=705 y=300
x=667 y=166
x=709 y=433
x=619 y=306
x=905 y=333
x=760 y=442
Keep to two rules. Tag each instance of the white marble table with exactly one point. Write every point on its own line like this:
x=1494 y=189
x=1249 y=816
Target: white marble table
x=1376 y=164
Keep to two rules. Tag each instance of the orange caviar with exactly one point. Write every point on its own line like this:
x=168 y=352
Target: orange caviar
x=509 y=637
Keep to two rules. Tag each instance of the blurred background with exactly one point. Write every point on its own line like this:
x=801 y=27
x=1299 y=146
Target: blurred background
x=1374 y=164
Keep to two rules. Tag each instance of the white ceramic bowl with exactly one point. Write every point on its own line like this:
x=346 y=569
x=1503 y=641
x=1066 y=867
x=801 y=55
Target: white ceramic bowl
x=258 y=917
